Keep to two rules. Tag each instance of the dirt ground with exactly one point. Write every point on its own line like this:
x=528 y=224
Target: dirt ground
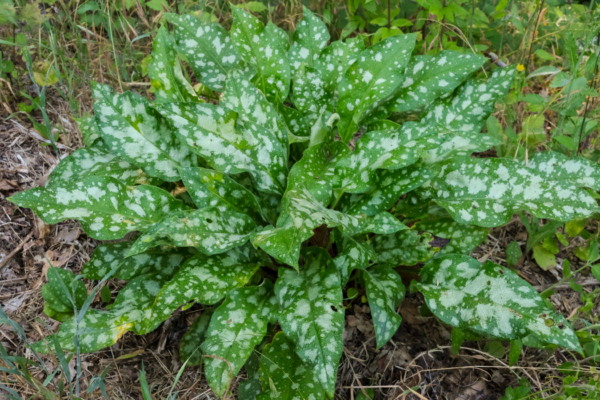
x=418 y=355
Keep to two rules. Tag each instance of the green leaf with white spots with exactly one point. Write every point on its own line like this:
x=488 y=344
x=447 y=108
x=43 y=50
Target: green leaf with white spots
x=401 y=148
x=491 y=300
x=113 y=256
x=262 y=48
x=207 y=279
x=230 y=146
x=388 y=186
x=474 y=101
x=486 y=192
x=301 y=213
x=373 y=79
x=385 y=292
x=463 y=238
x=209 y=188
x=430 y=77
x=106 y=208
x=189 y=349
x=279 y=35
x=93 y=161
x=316 y=169
x=165 y=72
x=310 y=38
x=310 y=95
x=210 y=230
x=335 y=60
x=311 y=313
x=207 y=47
x=90 y=131
x=568 y=170
x=236 y=327
x=355 y=254
x=135 y=132
x=382 y=224
x=283 y=374
x=63 y=292
x=405 y=247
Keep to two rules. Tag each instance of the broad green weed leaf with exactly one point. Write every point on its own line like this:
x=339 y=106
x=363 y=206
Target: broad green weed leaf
x=403 y=248
x=355 y=254
x=310 y=38
x=207 y=279
x=106 y=208
x=212 y=132
x=109 y=256
x=165 y=72
x=207 y=47
x=430 y=77
x=189 y=349
x=473 y=103
x=283 y=374
x=486 y=192
x=385 y=292
x=209 y=188
x=301 y=214
x=375 y=77
x=209 y=230
x=93 y=161
x=388 y=187
x=315 y=170
x=263 y=50
x=490 y=300
x=236 y=327
x=312 y=314
x=463 y=238
x=135 y=132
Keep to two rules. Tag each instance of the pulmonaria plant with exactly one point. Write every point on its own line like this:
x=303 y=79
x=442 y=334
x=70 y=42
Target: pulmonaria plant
x=256 y=207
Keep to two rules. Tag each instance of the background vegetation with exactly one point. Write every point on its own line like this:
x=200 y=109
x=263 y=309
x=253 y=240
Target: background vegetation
x=50 y=52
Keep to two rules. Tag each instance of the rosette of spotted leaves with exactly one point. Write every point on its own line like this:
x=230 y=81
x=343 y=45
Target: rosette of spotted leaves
x=253 y=206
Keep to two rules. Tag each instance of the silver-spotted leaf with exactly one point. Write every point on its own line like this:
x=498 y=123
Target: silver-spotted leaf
x=385 y=292
x=312 y=313
x=463 y=238
x=301 y=214
x=63 y=292
x=230 y=147
x=405 y=247
x=373 y=79
x=486 y=192
x=113 y=256
x=262 y=49
x=207 y=279
x=210 y=230
x=315 y=170
x=165 y=72
x=383 y=223
x=283 y=374
x=189 y=349
x=135 y=132
x=90 y=131
x=354 y=254
x=388 y=186
x=207 y=47
x=106 y=208
x=310 y=38
x=209 y=188
x=236 y=327
x=431 y=77
x=491 y=300
x=471 y=106
x=93 y=161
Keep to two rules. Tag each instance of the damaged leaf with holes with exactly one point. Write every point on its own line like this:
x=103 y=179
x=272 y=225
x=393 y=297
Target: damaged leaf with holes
x=302 y=168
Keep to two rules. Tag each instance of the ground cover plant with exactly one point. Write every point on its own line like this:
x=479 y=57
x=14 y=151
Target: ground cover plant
x=272 y=179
